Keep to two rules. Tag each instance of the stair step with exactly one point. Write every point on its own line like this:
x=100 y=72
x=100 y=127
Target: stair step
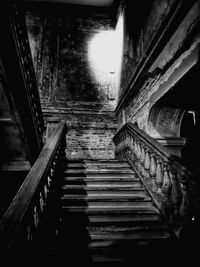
x=126 y=229
x=108 y=197
x=106 y=259
x=98 y=174
x=140 y=235
x=92 y=219
x=104 y=204
x=99 y=171
x=111 y=209
x=103 y=186
x=104 y=178
x=103 y=183
x=98 y=166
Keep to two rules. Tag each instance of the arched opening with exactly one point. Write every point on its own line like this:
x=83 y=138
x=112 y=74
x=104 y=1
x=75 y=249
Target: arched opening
x=175 y=118
x=190 y=129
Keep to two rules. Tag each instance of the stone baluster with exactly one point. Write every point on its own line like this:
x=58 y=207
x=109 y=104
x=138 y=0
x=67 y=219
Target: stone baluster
x=153 y=172
x=175 y=192
x=159 y=176
x=147 y=163
x=138 y=151
x=142 y=159
x=135 y=147
x=184 y=209
x=166 y=186
x=142 y=155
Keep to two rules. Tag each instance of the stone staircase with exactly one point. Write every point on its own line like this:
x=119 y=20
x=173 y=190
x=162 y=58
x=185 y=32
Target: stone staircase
x=107 y=216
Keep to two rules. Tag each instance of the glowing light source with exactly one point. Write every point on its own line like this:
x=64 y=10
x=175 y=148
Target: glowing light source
x=102 y=52
x=105 y=55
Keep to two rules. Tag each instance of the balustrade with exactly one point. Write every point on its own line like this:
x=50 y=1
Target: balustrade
x=166 y=179
x=20 y=225
x=25 y=58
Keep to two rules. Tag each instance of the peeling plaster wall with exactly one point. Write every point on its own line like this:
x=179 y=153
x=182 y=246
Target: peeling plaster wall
x=68 y=85
x=177 y=49
x=59 y=46
x=136 y=45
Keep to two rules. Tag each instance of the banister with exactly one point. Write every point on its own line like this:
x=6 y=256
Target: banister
x=34 y=187
x=163 y=151
x=173 y=188
x=21 y=83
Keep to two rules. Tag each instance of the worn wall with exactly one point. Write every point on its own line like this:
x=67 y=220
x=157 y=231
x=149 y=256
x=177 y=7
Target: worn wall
x=166 y=69
x=89 y=133
x=70 y=85
x=60 y=44
x=139 y=31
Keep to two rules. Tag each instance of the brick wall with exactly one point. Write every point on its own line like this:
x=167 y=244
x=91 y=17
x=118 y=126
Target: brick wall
x=89 y=134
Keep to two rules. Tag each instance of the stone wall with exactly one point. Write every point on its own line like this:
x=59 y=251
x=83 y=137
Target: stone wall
x=177 y=56
x=70 y=87
x=60 y=40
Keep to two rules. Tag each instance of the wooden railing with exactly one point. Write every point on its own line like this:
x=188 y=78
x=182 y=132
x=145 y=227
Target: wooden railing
x=17 y=20
x=20 y=75
x=171 y=185
x=20 y=226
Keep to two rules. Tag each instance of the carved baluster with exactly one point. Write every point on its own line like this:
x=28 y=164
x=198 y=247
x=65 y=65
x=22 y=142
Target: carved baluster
x=42 y=203
x=138 y=151
x=29 y=233
x=132 y=143
x=166 y=186
x=36 y=217
x=135 y=147
x=46 y=191
x=142 y=155
x=48 y=182
x=184 y=210
x=147 y=163
x=142 y=159
x=159 y=175
x=175 y=192
x=153 y=172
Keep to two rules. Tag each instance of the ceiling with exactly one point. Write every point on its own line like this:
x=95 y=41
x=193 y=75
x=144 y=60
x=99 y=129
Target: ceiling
x=101 y=3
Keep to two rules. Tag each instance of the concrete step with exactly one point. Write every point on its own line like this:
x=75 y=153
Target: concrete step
x=84 y=190
x=103 y=204
x=100 y=174
x=110 y=196
x=109 y=179
x=127 y=229
x=97 y=166
x=111 y=209
x=102 y=182
x=99 y=171
x=137 y=235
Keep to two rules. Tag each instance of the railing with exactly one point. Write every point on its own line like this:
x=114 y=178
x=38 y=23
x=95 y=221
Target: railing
x=172 y=187
x=17 y=19
x=21 y=225
x=20 y=75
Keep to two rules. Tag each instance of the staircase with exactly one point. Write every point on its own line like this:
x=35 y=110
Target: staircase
x=107 y=216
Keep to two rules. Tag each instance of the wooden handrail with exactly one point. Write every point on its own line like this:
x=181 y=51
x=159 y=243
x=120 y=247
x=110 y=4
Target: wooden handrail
x=171 y=185
x=21 y=83
x=29 y=195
